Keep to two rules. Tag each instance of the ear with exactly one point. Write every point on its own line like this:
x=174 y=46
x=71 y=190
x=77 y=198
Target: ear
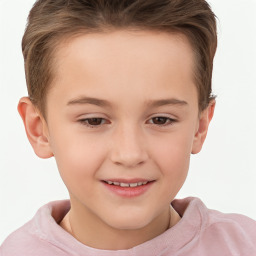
x=36 y=128
x=203 y=124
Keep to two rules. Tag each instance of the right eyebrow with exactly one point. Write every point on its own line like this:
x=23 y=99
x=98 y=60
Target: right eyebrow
x=89 y=100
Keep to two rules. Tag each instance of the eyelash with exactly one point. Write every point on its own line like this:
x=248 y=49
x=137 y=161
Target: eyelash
x=102 y=121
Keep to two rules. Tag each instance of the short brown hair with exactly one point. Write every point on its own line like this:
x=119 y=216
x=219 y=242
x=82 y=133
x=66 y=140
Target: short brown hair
x=50 y=21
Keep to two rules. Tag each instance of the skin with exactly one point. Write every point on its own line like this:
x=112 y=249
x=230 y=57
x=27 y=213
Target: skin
x=126 y=80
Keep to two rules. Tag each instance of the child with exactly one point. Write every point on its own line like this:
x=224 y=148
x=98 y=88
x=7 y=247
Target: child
x=120 y=95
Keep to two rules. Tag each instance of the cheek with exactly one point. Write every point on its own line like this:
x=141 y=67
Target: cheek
x=172 y=157
x=78 y=157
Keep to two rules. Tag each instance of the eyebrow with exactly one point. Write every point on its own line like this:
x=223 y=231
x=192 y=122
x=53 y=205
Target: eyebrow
x=105 y=103
x=163 y=102
x=89 y=100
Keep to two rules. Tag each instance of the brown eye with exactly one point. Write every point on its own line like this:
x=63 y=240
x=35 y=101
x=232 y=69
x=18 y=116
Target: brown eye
x=160 y=120
x=94 y=121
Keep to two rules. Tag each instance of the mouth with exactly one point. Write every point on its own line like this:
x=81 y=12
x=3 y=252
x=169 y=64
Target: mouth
x=128 y=188
x=126 y=184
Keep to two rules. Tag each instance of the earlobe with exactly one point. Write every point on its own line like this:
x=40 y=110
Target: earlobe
x=204 y=121
x=36 y=128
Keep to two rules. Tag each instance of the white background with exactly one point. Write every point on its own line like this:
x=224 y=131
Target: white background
x=223 y=175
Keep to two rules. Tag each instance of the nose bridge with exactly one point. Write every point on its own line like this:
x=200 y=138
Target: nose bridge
x=128 y=145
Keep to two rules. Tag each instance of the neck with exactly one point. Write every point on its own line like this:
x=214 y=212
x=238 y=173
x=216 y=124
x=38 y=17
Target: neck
x=97 y=234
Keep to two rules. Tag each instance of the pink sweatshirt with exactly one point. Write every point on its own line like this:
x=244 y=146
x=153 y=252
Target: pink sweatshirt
x=199 y=232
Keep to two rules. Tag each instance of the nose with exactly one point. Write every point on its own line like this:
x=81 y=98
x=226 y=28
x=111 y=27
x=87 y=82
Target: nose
x=128 y=147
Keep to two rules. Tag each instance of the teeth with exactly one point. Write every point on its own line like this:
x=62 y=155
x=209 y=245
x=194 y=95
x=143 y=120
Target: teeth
x=126 y=185
x=133 y=185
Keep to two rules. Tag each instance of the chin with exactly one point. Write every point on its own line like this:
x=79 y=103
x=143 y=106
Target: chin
x=130 y=221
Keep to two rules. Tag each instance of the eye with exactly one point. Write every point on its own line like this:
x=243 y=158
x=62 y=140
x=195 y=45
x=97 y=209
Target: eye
x=162 y=120
x=93 y=122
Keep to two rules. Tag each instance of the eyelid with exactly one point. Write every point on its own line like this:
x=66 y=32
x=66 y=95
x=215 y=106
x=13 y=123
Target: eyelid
x=92 y=115
x=165 y=115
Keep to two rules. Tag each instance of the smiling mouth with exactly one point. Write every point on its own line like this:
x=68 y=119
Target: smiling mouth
x=128 y=188
x=127 y=185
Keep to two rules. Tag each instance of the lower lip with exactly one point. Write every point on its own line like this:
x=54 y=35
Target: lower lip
x=129 y=192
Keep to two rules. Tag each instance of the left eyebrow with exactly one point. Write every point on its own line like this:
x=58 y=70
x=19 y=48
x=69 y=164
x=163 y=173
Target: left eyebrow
x=162 y=102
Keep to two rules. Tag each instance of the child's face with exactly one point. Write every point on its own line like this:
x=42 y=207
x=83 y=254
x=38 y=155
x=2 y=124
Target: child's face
x=123 y=108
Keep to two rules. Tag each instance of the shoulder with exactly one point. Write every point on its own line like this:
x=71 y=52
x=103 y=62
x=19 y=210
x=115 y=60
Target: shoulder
x=34 y=238
x=23 y=241
x=209 y=219
x=218 y=233
x=231 y=221
x=235 y=234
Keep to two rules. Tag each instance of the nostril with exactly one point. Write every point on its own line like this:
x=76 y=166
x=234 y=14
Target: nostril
x=129 y=162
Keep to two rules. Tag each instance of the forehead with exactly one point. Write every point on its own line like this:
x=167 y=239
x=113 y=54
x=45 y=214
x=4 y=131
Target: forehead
x=126 y=46
x=138 y=62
